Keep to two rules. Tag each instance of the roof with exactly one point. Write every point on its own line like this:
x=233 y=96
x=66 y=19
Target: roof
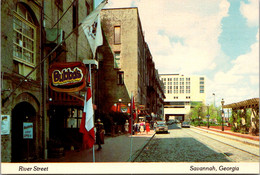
x=251 y=103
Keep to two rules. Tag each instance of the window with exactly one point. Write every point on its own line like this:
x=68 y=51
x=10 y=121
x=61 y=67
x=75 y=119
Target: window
x=187 y=79
x=75 y=15
x=117 y=35
x=59 y=4
x=169 y=83
x=181 y=79
x=201 y=89
x=187 y=83
x=175 y=79
x=74 y=118
x=187 y=97
x=181 y=89
x=187 y=89
x=24 y=41
x=120 y=78
x=169 y=79
x=175 y=97
x=117 y=64
x=201 y=78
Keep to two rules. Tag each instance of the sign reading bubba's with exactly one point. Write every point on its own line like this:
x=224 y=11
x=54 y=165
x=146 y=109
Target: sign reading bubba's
x=67 y=77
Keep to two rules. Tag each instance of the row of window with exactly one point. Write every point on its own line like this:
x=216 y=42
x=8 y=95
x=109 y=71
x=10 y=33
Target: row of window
x=174 y=79
x=176 y=97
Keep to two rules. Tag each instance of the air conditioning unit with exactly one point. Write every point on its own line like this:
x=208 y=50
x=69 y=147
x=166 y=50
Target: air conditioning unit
x=54 y=35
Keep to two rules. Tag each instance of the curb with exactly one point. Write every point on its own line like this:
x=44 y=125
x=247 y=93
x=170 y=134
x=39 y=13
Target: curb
x=226 y=136
x=137 y=153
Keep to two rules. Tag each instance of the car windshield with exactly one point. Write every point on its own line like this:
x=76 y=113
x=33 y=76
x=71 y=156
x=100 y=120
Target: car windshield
x=161 y=124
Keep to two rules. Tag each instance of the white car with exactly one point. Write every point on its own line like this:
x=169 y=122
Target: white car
x=161 y=126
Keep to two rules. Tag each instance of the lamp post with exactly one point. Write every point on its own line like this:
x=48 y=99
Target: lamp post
x=119 y=105
x=222 y=115
x=208 y=116
x=199 y=116
x=214 y=99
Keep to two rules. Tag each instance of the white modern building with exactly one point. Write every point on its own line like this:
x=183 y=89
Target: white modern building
x=182 y=93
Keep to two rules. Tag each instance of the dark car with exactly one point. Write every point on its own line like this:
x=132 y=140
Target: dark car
x=185 y=125
x=161 y=126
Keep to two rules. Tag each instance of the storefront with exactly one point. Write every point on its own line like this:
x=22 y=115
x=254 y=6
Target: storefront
x=65 y=113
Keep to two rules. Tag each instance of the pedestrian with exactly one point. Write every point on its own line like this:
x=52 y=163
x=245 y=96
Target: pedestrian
x=136 y=128
x=147 y=127
x=126 y=126
x=141 y=127
x=99 y=134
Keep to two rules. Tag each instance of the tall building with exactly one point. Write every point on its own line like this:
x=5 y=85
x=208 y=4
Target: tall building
x=182 y=93
x=131 y=70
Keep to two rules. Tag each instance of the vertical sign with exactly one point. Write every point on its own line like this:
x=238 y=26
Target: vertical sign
x=27 y=130
x=5 y=124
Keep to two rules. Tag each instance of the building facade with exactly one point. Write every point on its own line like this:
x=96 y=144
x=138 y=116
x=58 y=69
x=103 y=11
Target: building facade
x=131 y=70
x=32 y=32
x=182 y=93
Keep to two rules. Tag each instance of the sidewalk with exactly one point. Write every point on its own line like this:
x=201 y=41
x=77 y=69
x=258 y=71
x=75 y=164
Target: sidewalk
x=115 y=149
x=245 y=138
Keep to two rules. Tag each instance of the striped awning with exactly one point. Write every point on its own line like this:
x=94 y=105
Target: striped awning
x=65 y=99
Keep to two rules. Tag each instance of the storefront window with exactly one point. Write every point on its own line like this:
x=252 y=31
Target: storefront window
x=74 y=118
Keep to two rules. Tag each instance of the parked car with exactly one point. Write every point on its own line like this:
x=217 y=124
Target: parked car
x=161 y=126
x=185 y=125
x=170 y=122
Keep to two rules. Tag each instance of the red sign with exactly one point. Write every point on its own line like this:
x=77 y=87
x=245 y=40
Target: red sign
x=67 y=77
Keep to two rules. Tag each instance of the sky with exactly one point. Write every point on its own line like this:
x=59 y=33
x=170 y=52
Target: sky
x=215 y=38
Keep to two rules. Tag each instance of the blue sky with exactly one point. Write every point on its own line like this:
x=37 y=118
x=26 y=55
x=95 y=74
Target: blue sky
x=215 y=38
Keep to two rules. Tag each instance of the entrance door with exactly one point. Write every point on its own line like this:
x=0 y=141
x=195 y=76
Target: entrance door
x=23 y=149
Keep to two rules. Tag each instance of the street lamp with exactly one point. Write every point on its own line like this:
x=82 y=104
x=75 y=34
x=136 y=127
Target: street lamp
x=208 y=116
x=222 y=115
x=214 y=99
x=199 y=116
x=119 y=106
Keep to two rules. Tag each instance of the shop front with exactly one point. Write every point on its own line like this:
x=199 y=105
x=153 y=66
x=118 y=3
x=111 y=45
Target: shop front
x=65 y=113
x=66 y=80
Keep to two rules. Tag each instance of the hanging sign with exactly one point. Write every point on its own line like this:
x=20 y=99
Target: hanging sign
x=5 y=124
x=67 y=77
x=27 y=130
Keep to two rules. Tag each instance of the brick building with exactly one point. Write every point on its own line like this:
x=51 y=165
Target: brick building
x=132 y=69
x=30 y=30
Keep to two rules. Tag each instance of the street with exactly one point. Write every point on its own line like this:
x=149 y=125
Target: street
x=193 y=145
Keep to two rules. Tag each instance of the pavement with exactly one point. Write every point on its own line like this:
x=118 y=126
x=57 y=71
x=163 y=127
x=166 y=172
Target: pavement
x=245 y=138
x=118 y=148
x=114 y=149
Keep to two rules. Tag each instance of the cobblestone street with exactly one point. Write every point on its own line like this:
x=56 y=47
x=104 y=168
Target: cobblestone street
x=191 y=145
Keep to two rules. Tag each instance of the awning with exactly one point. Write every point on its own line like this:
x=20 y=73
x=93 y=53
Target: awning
x=118 y=107
x=251 y=103
x=65 y=99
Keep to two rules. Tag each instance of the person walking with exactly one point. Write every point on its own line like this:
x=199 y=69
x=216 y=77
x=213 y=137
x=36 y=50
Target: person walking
x=147 y=127
x=99 y=134
x=126 y=126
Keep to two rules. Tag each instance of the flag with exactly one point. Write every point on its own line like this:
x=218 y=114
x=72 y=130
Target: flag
x=87 y=122
x=92 y=28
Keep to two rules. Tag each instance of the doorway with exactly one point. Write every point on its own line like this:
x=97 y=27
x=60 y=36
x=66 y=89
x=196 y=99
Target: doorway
x=23 y=150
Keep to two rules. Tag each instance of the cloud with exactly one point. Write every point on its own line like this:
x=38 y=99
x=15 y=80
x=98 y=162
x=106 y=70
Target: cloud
x=198 y=27
x=241 y=81
x=251 y=12
x=183 y=37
